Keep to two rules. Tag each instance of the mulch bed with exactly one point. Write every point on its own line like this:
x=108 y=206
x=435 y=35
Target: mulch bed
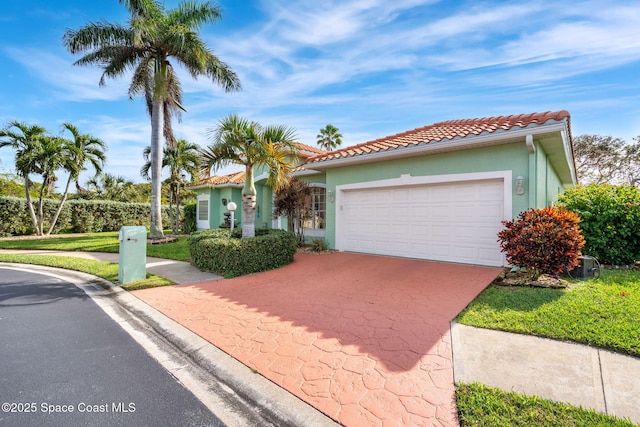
x=523 y=278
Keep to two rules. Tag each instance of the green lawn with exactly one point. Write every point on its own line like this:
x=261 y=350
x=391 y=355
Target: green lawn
x=98 y=242
x=603 y=312
x=105 y=270
x=479 y=405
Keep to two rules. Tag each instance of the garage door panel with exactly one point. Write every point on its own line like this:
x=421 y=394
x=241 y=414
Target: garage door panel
x=455 y=222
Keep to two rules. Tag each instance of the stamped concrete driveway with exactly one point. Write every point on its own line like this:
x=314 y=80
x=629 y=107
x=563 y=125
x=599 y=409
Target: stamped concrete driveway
x=364 y=339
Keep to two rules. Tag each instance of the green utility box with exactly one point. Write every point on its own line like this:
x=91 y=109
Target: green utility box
x=133 y=254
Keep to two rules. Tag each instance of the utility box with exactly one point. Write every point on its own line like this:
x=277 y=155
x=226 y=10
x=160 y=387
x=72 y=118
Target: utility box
x=586 y=269
x=133 y=254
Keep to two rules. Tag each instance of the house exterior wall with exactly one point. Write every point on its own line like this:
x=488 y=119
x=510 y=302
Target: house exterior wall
x=545 y=184
x=513 y=157
x=216 y=208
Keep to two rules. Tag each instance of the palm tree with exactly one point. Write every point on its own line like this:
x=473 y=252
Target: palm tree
x=329 y=138
x=235 y=140
x=112 y=187
x=145 y=46
x=26 y=140
x=182 y=159
x=82 y=149
x=90 y=150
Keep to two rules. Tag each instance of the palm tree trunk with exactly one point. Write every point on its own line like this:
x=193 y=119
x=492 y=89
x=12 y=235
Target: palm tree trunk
x=249 y=205
x=32 y=213
x=156 y=171
x=40 y=205
x=57 y=214
x=177 y=229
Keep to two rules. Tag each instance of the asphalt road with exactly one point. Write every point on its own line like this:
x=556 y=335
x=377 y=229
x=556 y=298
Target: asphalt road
x=64 y=362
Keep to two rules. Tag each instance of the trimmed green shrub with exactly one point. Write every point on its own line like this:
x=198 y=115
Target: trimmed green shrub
x=189 y=218
x=77 y=216
x=15 y=219
x=546 y=240
x=610 y=217
x=216 y=251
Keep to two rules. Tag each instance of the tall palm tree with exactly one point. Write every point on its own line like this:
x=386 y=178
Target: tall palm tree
x=236 y=140
x=26 y=140
x=181 y=160
x=153 y=36
x=82 y=149
x=329 y=138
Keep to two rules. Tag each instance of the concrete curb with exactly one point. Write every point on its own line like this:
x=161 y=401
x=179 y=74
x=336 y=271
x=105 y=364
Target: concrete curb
x=271 y=403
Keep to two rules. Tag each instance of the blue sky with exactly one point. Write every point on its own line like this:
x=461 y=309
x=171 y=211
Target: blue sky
x=370 y=67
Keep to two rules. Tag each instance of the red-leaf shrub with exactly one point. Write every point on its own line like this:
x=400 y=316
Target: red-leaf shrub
x=546 y=240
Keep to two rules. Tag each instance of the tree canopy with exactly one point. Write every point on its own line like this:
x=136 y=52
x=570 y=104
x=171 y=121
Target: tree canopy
x=329 y=138
x=606 y=160
x=153 y=41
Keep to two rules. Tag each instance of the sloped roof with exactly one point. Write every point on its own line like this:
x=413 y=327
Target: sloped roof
x=232 y=178
x=305 y=150
x=441 y=132
x=449 y=130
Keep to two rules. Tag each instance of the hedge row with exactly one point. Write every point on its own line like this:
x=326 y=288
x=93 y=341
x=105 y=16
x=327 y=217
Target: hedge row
x=77 y=216
x=216 y=251
x=610 y=223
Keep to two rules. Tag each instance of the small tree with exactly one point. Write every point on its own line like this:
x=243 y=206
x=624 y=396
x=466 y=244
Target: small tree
x=292 y=201
x=236 y=140
x=547 y=240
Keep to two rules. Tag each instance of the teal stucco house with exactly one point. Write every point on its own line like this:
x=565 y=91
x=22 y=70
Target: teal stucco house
x=438 y=192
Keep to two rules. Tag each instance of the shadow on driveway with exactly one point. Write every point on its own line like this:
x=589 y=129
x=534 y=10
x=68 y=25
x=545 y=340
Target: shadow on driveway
x=360 y=337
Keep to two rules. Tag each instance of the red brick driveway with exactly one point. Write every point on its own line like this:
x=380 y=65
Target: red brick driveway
x=364 y=339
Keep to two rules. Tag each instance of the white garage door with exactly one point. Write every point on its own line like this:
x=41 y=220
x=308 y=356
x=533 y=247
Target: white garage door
x=456 y=222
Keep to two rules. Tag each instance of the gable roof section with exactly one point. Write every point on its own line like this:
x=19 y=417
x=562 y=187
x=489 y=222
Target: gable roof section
x=449 y=133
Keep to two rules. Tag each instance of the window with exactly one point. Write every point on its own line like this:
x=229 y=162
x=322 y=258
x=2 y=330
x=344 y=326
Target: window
x=203 y=210
x=317 y=210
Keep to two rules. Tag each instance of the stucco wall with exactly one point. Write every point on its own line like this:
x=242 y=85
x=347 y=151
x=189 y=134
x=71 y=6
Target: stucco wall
x=546 y=182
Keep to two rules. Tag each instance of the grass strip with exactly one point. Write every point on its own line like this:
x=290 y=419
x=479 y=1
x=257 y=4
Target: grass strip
x=479 y=405
x=98 y=242
x=105 y=270
x=602 y=312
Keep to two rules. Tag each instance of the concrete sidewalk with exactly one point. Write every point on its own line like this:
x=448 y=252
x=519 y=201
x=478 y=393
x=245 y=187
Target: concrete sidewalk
x=177 y=271
x=566 y=372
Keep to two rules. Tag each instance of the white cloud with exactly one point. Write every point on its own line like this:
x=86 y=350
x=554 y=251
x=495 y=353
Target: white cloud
x=67 y=81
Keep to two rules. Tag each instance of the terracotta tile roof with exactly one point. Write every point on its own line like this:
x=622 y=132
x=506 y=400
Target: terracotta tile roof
x=449 y=130
x=232 y=178
x=308 y=148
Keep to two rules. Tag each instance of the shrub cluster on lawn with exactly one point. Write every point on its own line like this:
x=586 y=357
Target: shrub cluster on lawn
x=546 y=240
x=217 y=251
x=610 y=221
x=77 y=216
